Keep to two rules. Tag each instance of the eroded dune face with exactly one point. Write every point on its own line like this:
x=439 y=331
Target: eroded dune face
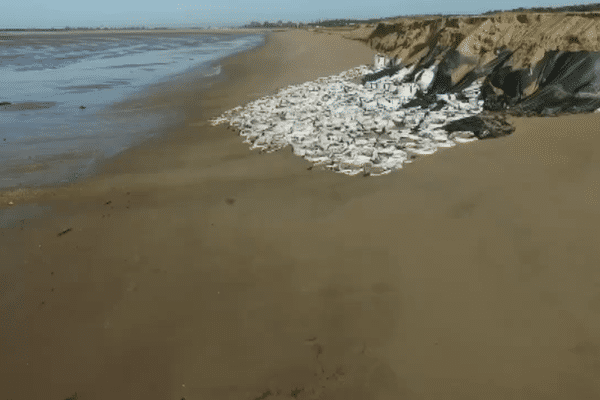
x=533 y=62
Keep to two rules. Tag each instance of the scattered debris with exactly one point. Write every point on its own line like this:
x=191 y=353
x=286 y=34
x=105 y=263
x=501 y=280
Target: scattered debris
x=264 y=395
x=485 y=125
x=65 y=231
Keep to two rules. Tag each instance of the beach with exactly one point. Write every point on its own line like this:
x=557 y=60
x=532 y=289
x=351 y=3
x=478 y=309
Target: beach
x=191 y=267
x=86 y=75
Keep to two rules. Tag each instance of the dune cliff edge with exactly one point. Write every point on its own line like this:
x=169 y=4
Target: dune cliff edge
x=531 y=63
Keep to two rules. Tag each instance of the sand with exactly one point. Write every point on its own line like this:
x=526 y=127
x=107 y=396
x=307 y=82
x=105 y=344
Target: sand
x=193 y=268
x=477 y=38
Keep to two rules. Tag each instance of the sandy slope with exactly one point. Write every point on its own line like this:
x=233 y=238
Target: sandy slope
x=478 y=37
x=195 y=268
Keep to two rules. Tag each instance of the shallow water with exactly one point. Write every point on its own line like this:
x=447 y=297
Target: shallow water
x=45 y=135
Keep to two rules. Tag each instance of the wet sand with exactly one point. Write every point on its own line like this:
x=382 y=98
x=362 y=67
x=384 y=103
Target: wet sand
x=191 y=267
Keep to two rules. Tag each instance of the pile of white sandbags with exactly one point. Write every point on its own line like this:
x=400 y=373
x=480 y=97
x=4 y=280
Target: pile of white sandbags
x=351 y=128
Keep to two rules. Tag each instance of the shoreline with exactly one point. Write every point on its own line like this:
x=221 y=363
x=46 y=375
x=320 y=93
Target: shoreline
x=141 y=31
x=190 y=267
x=135 y=101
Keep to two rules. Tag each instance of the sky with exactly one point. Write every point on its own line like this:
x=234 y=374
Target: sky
x=26 y=14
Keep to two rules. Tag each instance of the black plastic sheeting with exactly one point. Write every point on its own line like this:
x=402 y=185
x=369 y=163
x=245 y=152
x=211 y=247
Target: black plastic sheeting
x=567 y=82
x=442 y=83
x=564 y=82
x=388 y=71
x=485 y=125
x=429 y=100
x=424 y=100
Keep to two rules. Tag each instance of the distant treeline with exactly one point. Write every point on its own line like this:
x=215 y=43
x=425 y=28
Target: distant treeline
x=320 y=23
x=577 y=8
x=344 y=22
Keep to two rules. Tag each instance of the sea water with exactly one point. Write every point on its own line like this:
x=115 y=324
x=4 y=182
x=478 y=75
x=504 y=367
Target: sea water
x=47 y=139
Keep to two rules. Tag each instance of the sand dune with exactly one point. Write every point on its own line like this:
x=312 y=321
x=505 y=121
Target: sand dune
x=534 y=63
x=478 y=37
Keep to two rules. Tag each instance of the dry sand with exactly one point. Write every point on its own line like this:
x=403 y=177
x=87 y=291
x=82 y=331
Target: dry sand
x=196 y=269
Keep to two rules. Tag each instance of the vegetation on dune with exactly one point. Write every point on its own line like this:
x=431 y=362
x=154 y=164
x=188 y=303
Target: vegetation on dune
x=574 y=8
